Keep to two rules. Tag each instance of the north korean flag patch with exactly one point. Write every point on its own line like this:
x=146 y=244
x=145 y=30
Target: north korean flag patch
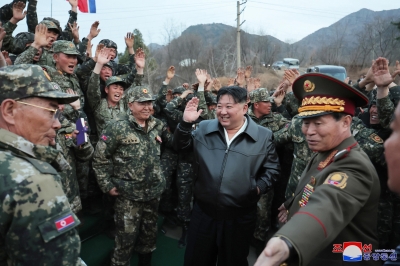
x=65 y=222
x=104 y=137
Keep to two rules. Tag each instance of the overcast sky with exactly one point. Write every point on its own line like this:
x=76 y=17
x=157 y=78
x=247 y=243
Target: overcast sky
x=286 y=20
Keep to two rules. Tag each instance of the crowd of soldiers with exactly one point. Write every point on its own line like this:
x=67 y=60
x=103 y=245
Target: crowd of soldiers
x=129 y=156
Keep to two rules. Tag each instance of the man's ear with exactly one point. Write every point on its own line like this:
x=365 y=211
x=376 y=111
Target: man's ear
x=347 y=121
x=106 y=89
x=7 y=109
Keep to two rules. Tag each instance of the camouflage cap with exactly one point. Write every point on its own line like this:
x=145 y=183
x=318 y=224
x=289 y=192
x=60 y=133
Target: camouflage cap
x=213 y=100
x=65 y=47
x=260 y=95
x=50 y=25
x=109 y=44
x=24 y=81
x=139 y=94
x=116 y=79
x=394 y=94
x=21 y=40
x=178 y=90
x=55 y=21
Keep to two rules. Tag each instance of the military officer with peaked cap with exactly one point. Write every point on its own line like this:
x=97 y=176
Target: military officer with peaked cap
x=336 y=200
x=37 y=226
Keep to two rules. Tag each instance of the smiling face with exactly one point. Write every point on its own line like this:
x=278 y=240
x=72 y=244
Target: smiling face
x=324 y=133
x=65 y=62
x=105 y=73
x=141 y=110
x=114 y=93
x=373 y=115
x=35 y=124
x=230 y=114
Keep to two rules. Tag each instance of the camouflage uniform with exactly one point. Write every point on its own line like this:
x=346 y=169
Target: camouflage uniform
x=292 y=133
x=37 y=226
x=184 y=177
x=65 y=144
x=274 y=122
x=127 y=157
x=103 y=113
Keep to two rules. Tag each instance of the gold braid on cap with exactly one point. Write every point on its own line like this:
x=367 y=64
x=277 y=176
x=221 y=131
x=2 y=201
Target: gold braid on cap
x=324 y=108
x=322 y=100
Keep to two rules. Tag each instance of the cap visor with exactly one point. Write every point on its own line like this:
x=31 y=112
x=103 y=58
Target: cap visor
x=61 y=97
x=310 y=114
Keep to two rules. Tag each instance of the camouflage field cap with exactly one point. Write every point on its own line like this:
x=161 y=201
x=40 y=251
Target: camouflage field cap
x=21 y=40
x=139 y=94
x=394 y=94
x=260 y=95
x=24 y=81
x=50 y=25
x=213 y=99
x=320 y=94
x=109 y=44
x=178 y=90
x=115 y=79
x=65 y=47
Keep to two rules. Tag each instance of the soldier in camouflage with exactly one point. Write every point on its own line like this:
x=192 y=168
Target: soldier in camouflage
x=37 y=226
x=127 y=166
x=65 y=142
x=260 y=112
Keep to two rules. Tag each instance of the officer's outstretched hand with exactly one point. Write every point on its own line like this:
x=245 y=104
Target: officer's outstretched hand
x=191 y=114
x=274 y=253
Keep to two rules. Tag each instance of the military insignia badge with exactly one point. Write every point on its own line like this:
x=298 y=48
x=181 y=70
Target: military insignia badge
x=376 y=138
x=144 y=90
x=71 y=45
x=327 y=161
x=308 y=190
x=308 y=86
x=68 y=136
x=337 y=179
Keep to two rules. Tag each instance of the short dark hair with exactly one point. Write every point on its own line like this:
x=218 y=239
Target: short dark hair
x=238 y=94
x=338 y=116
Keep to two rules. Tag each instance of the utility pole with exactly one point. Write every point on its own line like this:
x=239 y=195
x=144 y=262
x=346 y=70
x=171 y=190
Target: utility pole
x=238 y=32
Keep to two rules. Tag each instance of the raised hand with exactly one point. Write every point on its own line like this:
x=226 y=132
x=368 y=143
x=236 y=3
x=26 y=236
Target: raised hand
x=18 y=12
x=257 y=83
x=171 y=73
x=195 y=86
x=216 y=84
x=77 y=104
x=191 y=114
x=186 y=93
x=201 y=75
x=140 y=59
x=7 y=58
x=99 y=47
x=75 y=31
x=208 y=83
x=240 y=78
x=168 y=96
x=74 y=5
x=247 y=73
x=231 y=81
x=250 y=85
x=103 y=57
x=94 y=31
x=40 y=39
x=291 y=75
x=129 y=40
x=380 y=69
x=185 y=85
x=279 y=94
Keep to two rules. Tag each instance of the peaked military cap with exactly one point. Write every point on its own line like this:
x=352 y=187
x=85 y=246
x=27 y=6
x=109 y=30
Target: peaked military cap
x=260 y=95
x=24 y=81
x=320 y=94
x=139 y=94
x=65 y=47
x=115 y=79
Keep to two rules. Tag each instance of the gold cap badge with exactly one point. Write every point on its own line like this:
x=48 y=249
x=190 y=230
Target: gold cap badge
x=308 y=86
x=144 y=91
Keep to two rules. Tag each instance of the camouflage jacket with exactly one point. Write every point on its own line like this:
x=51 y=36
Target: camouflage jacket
x=103 y=113
x=66 y=144
x=291 y=103
x=8 y=39
x=369 y=141
x=128 y=157
x=272 y=121
x=85 y=69
x=292 y=133
x=174 y=112
x=68 y=81
x=206 y=114
x=385 y=111
x=37 y=226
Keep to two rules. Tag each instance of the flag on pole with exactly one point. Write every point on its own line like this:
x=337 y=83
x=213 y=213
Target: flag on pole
x=87 y=6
